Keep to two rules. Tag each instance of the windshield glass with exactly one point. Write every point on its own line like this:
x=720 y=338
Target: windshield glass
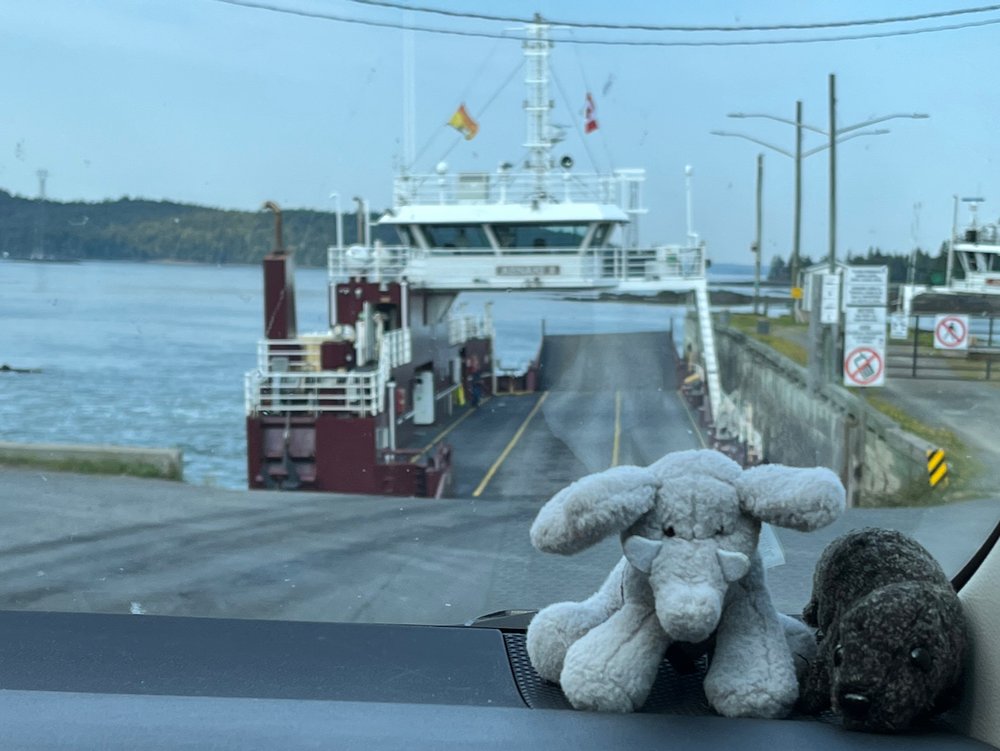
x=211 y=407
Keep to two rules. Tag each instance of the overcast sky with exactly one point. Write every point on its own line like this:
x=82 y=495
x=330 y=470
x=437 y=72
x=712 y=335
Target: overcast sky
x=204 y=102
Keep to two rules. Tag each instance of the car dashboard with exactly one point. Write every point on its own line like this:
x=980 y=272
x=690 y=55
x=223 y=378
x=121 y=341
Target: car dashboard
x=119 y=681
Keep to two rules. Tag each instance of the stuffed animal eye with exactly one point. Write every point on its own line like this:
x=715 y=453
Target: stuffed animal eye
x=921 y=658
x=669 y=532
x=838 y=656
x=720 y=531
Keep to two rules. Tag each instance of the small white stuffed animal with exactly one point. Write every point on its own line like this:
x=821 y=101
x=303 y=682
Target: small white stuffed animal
x=689 y=525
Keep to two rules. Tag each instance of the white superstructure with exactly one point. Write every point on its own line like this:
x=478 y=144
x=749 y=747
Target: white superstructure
x=542 y=225
x=539 y=225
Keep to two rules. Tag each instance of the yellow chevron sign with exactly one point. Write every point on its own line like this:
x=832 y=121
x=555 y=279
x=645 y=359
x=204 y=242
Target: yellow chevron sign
x=937 y=467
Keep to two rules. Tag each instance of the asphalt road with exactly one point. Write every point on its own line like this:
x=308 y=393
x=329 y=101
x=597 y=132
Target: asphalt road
x=103 y=544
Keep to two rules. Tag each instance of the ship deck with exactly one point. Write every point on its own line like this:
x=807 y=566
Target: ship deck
x=103 y=544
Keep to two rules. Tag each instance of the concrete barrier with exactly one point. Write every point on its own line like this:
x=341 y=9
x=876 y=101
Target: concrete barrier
x=879 y=462
x=166 y=463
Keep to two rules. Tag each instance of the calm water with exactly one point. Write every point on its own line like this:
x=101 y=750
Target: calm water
x=154 y=354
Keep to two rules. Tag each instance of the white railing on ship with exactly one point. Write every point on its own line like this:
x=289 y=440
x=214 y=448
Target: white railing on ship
x=288 y=378
x=513 y=187
x=629 y=264
x=288 y=354
x=361 y=393
x=463 y=328
x=650 y=264
x=397 y=348
x=303 y=355
x=383 y=262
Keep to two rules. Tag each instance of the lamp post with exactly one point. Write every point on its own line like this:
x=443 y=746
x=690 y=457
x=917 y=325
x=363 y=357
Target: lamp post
x=798 y=156
x=834 y=136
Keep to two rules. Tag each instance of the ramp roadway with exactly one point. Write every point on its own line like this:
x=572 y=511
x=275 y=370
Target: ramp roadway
x=115 y=544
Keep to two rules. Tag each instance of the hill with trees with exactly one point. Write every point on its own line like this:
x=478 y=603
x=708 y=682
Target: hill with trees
x=925 y=268
x=140 y=230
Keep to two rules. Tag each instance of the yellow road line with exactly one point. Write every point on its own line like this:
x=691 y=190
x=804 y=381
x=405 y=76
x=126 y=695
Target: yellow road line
x=510 y=447
x=616 y=445
x=439 y=436
x=694 y=423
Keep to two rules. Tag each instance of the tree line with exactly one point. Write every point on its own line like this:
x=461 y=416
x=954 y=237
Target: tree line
x=140 y=230
x=917 y=266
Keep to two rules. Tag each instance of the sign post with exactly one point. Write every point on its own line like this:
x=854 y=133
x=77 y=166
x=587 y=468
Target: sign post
x=865 y=298
x=951 y=331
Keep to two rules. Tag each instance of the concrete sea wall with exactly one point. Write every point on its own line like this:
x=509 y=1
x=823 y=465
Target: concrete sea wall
x=164 y=463
x=878 y=461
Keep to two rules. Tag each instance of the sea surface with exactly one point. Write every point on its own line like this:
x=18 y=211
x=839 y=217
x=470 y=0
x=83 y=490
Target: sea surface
x=146 y=354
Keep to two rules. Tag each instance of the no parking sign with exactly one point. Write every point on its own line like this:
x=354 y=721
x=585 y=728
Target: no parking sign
x=951 y=331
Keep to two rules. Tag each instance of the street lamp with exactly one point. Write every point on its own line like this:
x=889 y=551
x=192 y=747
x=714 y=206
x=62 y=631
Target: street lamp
x=834 y=135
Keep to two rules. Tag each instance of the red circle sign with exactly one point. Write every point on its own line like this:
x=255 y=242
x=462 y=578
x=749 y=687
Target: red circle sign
x=863 y=365
x=950 y=332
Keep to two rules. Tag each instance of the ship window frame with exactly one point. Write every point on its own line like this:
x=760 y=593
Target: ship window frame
x=471 y=229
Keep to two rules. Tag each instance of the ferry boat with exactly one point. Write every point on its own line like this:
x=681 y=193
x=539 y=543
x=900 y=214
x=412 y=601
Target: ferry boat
x=338 y=410
x=971 y=281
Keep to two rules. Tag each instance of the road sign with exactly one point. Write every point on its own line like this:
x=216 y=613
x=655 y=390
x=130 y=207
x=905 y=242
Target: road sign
x=865 y=319
x=864 y=366
x=898 y=326
x=830 y=310
x=951 y=331
x=866 y=286
x=937 y=467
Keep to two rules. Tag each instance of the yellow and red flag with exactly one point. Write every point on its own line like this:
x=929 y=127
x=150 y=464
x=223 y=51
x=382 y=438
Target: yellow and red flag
x=463 y=123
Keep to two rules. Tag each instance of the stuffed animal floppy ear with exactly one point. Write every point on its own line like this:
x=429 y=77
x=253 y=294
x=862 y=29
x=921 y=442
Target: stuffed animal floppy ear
x=802 y=499
x=689 y=526
x=592 y=508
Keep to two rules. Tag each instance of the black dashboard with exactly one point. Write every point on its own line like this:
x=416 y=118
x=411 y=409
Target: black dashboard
x=151 y=682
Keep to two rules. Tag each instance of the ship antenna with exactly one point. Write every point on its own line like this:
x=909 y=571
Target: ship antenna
x=279 y=245
x=538 y=105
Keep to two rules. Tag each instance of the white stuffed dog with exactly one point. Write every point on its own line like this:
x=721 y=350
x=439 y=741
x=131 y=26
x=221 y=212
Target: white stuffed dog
x=689 y=525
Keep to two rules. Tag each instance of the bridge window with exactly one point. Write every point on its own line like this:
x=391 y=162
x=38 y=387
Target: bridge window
x=405 y=237
x=456 y=236
x=541 y=235
x=601 y=234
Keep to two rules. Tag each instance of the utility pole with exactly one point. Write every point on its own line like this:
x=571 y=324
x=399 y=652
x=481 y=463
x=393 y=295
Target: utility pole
x=829 y=354
x=831 y=351
x=756 y=242
x=797 y=234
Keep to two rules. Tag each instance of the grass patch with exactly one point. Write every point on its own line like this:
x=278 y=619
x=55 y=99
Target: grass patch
x=964 y=469
x=94 y=467
x=779 y=339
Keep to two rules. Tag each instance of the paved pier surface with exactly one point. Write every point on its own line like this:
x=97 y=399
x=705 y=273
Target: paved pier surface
x=88 y=543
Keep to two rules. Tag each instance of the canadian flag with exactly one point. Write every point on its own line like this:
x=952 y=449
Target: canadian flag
x=590 y=124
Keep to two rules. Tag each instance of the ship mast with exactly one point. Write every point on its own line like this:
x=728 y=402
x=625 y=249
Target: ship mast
x=537 y=105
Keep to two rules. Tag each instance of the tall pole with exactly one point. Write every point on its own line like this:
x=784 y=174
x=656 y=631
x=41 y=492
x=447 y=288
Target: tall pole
x=833 y=174
x=409 y=94
x=537 y=104
x=951 y=242
x=833 y=364
x=756 y=242
x=797 y=236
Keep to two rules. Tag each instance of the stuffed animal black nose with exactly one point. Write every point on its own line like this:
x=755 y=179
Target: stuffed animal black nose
x=855 y=706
